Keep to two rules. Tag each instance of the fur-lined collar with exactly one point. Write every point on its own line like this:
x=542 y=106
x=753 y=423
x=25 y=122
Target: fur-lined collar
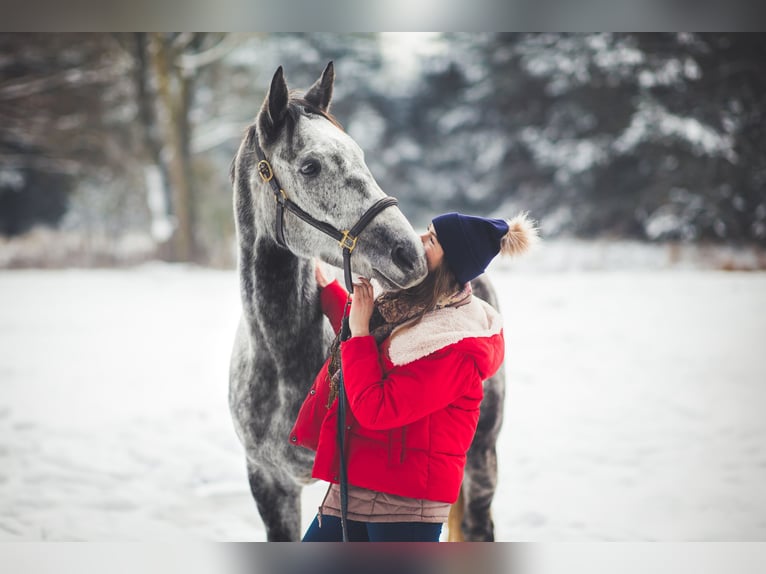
x=441 y=328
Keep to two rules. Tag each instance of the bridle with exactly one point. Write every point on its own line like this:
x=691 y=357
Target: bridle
x=346 y=239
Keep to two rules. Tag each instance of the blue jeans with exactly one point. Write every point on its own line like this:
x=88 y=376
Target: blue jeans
x=331 y=531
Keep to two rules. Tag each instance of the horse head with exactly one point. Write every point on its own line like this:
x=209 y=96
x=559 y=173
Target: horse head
x=321 y=169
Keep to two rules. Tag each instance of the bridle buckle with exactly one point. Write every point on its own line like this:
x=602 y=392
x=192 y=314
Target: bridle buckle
x=348 y=241
x=265 y=171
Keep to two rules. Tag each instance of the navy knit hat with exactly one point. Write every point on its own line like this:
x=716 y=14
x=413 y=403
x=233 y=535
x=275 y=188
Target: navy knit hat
x=471 y=242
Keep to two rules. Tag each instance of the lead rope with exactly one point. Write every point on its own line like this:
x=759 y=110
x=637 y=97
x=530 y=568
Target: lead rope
x=348 y=243
x=345 y=334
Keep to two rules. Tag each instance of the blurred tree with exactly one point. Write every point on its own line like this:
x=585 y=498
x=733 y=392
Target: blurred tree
x=171 y=63
x=68 y=105
x=61 y=100
x=732 y=86
x=642 y=135
x=686 y=154
x=654 y=136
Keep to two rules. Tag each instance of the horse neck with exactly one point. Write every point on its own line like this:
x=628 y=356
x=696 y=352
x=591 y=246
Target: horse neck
x=277 y=287
x=283 y=292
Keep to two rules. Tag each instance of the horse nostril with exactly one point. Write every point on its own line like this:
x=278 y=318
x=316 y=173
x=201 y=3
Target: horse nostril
x=403 y=258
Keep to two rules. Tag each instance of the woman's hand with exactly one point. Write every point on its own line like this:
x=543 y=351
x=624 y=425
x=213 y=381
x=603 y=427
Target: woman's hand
x=361 y=308
x=319 y=273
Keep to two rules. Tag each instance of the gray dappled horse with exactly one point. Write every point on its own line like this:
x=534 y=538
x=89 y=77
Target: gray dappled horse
x=283 y=339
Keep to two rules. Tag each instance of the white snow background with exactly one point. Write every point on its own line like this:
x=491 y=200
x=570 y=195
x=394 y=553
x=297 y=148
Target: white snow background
x=635 y=408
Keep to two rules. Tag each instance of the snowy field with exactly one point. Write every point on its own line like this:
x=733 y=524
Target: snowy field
x=636 y=407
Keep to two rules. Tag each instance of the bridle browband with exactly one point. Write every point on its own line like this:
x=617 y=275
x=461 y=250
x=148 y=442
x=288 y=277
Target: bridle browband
x=346 y=239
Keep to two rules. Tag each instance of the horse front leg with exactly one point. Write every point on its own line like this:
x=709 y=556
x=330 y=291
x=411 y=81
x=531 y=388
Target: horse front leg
x=278 y=500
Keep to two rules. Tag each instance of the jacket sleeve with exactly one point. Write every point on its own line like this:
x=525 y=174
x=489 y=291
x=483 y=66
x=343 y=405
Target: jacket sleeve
x=308 y=424
x=333 y=299
x=407 y=393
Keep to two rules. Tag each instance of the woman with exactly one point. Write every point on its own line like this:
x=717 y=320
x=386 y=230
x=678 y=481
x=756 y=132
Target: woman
x=413 y=371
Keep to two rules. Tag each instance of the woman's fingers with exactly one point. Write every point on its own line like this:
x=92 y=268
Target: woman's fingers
x=319 y=274
x=364 y=287
x=361 y=307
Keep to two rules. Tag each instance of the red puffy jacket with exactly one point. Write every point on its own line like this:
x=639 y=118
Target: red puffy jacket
x=414 y=402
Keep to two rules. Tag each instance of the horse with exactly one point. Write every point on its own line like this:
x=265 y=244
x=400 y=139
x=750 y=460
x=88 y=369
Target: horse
x=282 y=339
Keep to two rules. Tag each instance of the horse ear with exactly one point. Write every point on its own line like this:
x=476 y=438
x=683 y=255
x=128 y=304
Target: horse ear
x=320 y=93
x=274 y=108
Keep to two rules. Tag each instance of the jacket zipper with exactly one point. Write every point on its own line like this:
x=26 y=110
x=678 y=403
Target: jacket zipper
x=404 y=444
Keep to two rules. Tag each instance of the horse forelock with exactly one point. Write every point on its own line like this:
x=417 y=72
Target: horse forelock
x=297 y=107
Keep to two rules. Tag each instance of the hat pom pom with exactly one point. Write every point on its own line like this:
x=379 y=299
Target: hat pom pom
x=521 y=236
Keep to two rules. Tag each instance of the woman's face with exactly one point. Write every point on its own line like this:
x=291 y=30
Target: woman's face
x=434 y=251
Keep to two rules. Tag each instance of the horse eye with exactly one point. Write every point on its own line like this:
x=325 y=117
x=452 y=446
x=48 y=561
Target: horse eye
x=310 y=168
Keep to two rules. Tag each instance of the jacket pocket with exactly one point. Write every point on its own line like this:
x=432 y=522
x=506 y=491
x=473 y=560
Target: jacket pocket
x=397 y=445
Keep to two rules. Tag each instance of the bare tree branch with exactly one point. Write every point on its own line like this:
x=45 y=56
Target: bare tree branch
x=40 y=163
x=182 y=41
x=25 y=87
x=190 y=63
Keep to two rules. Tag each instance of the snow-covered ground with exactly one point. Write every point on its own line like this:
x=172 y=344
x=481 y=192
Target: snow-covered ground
x=636 y=406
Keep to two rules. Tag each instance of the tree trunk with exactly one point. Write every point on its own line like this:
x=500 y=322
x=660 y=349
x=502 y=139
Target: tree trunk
x=156 y=177
x=173 y=97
